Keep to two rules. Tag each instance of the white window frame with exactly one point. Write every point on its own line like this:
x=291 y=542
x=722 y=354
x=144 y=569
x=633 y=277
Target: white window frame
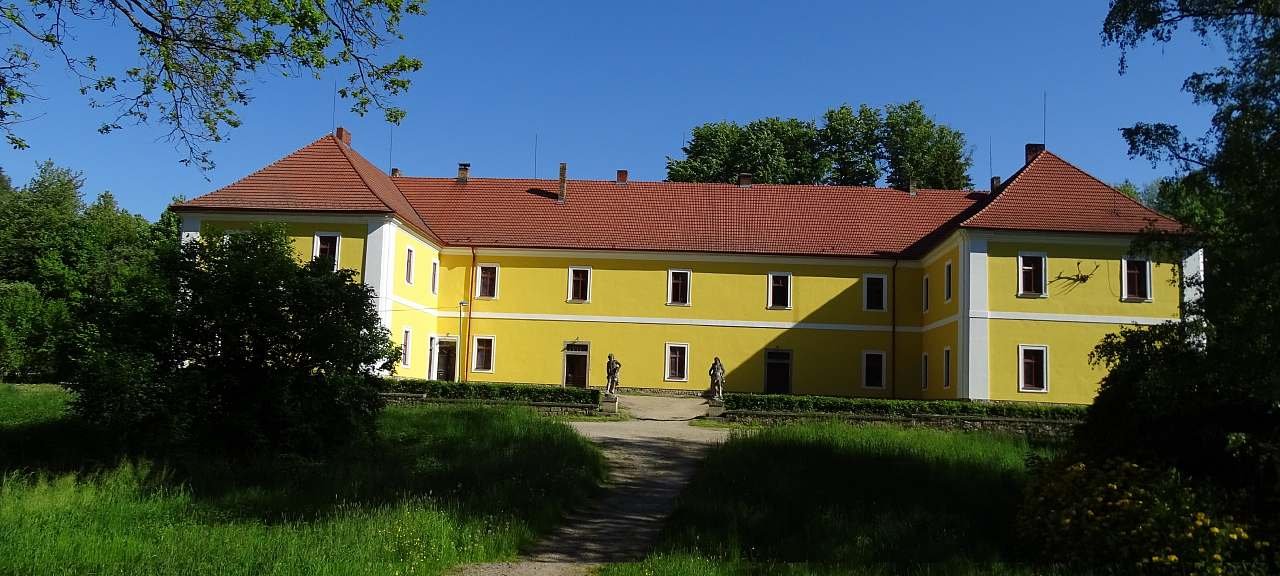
x=688 y=286
x=884 y=368
x=497 y=281
x=768 y=285
x=666 y=361
x=947 y=282
x=568 y=297
x=433 y=361
x=337 y=246
x=884 y=293
x=946 y=368
x=1124 y=279
x=406 y=344
x=493 y=352
x=1022 y=373
x=1044 y=274
x=435 y=276
x=924 y=370
x=411 y=264
x=924 y=293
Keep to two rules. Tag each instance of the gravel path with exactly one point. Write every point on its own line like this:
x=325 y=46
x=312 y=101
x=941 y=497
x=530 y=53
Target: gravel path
x=651 y=459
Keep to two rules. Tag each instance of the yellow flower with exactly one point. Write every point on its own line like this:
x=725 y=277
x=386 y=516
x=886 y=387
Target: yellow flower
x=1214 y=529
x=1173 y=558
x=1217 y=557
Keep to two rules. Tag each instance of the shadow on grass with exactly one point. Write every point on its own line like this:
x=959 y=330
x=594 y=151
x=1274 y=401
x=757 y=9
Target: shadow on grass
x=838 y=495
x=476 y=461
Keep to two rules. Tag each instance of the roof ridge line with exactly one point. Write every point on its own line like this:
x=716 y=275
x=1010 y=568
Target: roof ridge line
x=1112 y=188
x=342 y=147
x=1005 y=186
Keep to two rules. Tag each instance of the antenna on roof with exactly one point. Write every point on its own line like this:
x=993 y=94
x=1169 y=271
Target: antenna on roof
x=1044 y=119
x=391 y=144
x=334 y=111
x=535 y=155
x=991 y=171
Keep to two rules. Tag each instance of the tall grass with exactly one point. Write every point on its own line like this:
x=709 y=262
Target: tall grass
x=841 y=499
x=440 y=486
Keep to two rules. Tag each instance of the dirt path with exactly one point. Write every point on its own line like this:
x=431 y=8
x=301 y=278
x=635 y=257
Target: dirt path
x=651 y=458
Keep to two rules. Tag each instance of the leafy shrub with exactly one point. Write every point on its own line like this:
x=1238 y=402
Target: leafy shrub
x=1129 y=518
x=492 y=391
x=899 y=408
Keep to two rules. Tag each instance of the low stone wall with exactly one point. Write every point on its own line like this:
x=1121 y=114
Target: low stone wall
x=543 y=407
x=1035 y=429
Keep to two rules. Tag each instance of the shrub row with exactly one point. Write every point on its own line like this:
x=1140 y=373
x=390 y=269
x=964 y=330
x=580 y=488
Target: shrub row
x=899 y=408
x=492 y=391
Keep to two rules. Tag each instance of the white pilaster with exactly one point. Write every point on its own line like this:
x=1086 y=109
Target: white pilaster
x=1193 y=276
x=975 y=358
x=380 y=262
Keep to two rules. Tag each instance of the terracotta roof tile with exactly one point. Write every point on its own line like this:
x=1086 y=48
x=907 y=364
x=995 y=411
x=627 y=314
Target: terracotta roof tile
x=1052 y=195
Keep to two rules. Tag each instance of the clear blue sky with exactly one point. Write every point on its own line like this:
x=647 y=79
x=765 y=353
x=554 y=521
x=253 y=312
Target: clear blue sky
x=608 y=85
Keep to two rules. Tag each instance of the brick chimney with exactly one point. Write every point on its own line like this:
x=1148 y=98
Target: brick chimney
x=464 y=172
x=395 y=172
x=744 y=179
x=1033 y=150
x=343 y=135
x=995 y=183
x=564 y=175
x=622 y=177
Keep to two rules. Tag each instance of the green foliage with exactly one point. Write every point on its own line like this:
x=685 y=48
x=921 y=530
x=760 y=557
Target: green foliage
x=437 y=487
x=1130 y=519
x=899 y=408
x=850 y=148
x=838 y=499
x=196 y=59
x=492 y=391
x=26 y=320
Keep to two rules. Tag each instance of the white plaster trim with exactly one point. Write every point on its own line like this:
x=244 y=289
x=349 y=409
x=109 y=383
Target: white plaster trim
x=568 y=292
x=676 y=256
x=688 y=286
x=1080 y=318
x=884 y=293
x=1019 y=237
x=1022 y=373
x=1192 y=276
x=973 y=363
x=768 y=284
x=190 y=227
x=884 y=367
x=493 y=352
x=666 y=361
x=377 y=272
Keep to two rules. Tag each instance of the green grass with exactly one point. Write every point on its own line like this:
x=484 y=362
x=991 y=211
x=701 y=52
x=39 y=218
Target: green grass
x=833 y=498
x=440 y=486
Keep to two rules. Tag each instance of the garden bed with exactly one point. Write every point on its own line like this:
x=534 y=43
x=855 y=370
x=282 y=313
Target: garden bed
x=491 y=392
x=781 y=403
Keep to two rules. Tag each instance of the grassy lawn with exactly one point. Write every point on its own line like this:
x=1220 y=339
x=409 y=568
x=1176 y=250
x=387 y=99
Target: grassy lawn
x=441 y=486
x=833 y=498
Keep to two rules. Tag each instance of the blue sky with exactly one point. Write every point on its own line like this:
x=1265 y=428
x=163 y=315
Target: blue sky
x=608 y=85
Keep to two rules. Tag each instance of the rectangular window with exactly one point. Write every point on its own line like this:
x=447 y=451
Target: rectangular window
x=1035 y=369
x=483 y=354
x=924 y=371
x=946 y=282
x=487 y=281
x=946 y=367
x=1031 y=276
x=326 y=246
x=1137 y=280
x=677 y=362
x=405 y=346
x=873 y=292
x=872 y=369
x=678 y=287
x=924 y=291
x=779 y=289
x=579 y=284
x=435 y=277
x=408 y=266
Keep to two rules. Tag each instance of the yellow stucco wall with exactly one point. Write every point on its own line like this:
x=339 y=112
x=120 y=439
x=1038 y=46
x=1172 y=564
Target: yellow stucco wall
x=939 y=306
x=1098 y=295
x=1071 y=380
x=934 y=342
x=350 y=246
x=414 y=302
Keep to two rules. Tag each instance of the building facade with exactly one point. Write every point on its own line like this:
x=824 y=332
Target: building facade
x=830 y=290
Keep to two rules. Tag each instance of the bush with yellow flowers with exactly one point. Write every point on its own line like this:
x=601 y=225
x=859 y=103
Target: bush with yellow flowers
x=1127 y=518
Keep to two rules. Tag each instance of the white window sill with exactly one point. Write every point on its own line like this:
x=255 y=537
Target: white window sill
x=778 y=308
x=1030 y=391
x=474 y=371
x=1136 y=300
x=683 y=305
x=1032 y=295
x=675 y=379
x=577 y=301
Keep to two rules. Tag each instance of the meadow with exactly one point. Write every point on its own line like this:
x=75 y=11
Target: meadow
x=833 y=498
x=440 y=486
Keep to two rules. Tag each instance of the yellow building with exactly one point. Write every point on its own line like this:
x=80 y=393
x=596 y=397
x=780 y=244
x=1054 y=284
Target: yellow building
x=851 y=291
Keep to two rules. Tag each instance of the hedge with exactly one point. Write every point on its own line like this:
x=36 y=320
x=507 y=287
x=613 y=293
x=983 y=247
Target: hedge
x=899 y=408
x=492 y=391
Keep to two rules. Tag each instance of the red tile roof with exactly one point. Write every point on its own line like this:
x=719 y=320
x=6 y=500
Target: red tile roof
x=1050 y=194
x=324 y=176
x=672 y=216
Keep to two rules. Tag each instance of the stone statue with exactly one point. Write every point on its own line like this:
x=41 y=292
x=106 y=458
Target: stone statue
x=716 y=391
x=611 y=369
